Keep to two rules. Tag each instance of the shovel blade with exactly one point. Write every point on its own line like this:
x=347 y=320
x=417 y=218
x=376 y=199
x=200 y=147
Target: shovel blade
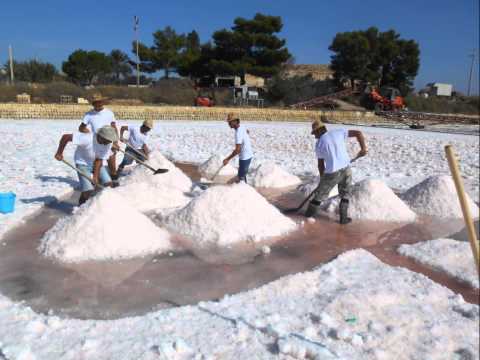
x=160 y=171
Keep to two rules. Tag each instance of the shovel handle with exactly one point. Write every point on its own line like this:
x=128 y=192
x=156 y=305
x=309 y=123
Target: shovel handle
x=137 y=160
x=81 y=173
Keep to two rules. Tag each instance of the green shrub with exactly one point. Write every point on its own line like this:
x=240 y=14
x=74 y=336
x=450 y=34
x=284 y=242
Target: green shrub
x=460 y=105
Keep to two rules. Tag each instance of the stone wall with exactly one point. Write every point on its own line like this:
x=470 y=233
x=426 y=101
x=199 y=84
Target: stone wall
x=75 y=111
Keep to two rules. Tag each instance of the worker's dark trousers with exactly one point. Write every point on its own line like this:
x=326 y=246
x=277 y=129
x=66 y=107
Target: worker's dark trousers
x=342 y=178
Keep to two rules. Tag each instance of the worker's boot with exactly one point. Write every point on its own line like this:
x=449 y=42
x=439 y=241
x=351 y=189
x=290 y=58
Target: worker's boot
x=344 y=219
x=312 y=210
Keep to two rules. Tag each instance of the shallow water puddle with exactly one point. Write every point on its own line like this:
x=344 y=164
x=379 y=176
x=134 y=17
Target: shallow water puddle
x=105 y=290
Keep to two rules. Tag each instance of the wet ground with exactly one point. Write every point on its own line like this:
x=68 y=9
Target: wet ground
x=105 y=290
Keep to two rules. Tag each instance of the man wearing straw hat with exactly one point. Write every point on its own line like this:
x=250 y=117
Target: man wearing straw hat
x=334 y=165
x=137 y=142
x=95 y=119
x=243 y=148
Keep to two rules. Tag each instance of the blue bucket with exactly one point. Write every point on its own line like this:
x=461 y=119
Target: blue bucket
x=7 y=202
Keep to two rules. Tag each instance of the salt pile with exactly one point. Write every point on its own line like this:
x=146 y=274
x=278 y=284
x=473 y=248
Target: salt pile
x=451 y=256
x=104 y=228
x=224 y=215
x=437 y=196
x=373 y=200
x=173 y=178
x=146 y=196
x=210 y=167
x=270 y=175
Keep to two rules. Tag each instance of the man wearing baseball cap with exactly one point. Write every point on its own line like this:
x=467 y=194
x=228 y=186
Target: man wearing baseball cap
x=136 y=144
x=334 y=165
x=102 y=148
x=243 y=148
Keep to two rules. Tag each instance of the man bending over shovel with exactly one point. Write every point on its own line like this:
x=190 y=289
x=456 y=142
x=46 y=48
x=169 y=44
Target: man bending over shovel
x=84 y=157
x=334 y=166
x=136 y=144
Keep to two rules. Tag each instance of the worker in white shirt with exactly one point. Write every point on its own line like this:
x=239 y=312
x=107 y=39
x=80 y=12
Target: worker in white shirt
x=243 y=148
x=97 y=118
x=102 y=147
x=84 y=157
x=136 y=143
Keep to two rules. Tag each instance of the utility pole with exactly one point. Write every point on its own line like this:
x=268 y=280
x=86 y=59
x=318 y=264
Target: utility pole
x=472 y=55
x=10 y=55
x=135 y=29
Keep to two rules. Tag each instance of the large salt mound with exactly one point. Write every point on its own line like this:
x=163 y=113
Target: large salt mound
x=270 y=175
x=146 y=196
x=211 y=166
x=437 y=196
x=174 y=178
x=104 y=228
x=224 y=215
x=373 y=200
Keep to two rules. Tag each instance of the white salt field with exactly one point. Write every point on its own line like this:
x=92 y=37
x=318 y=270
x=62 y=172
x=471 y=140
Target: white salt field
x=226 y=258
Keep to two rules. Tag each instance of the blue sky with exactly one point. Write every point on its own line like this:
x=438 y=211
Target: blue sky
x=447 y=30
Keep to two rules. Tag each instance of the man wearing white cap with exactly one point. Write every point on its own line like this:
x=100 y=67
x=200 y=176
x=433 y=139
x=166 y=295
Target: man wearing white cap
x=84 y=157
x=102 y=148
x=334 y=166
x=137 y=142
x=243 y=148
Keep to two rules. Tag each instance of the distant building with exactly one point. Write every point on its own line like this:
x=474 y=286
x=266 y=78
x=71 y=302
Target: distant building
x=23 y=98
x=318 y=72
x=437 y=89
x=235 y=81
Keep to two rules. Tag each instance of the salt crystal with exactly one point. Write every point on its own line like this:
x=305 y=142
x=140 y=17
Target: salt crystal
x=106 y=227
x=266 y=249
x=437 y=196
x=372 y=199
x=270 y=175
x=210 y=167
x=224 y=215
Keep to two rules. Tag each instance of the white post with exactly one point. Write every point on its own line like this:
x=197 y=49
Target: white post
x=10 y=55
x=471 y=71
x=136 y=21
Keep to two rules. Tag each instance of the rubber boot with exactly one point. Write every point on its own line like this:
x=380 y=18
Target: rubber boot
x=344 y=219
x=312 y=210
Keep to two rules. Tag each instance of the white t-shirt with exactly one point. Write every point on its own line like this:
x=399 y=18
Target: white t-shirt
x=242 y=138
x=332 y=148
x=102 y=152
x=135 y=138
x=84 y=154
x=98 y=119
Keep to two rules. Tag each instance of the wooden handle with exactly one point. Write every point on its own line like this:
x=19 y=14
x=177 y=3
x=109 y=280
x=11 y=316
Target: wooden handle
x=467 y=216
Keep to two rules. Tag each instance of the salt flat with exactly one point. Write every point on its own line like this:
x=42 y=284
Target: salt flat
x=354 y=307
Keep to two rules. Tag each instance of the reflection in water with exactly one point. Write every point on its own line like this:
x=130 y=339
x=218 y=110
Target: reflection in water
x=104 y=290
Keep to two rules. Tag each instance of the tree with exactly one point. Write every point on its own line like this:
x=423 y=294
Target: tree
x=121 y=68
x=33 y=71
x=381 y=58
x=190 y=54
x=85 y=67
x=165 y=54
x=251 y=46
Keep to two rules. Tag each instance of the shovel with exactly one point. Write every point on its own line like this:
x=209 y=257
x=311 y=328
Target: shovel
x=86 y=176
x=134 y=150
x=299 y=207
x=155 y=171
x=216 y=173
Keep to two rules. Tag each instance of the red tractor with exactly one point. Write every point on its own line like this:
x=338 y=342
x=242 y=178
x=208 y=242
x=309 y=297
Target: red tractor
x=385 y=99
x=205 y=97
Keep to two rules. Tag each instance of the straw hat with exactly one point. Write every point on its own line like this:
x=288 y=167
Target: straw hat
x=231 y=117
x=108 y=133
x=317 y=124
x=148 y=124
x=97 y=97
